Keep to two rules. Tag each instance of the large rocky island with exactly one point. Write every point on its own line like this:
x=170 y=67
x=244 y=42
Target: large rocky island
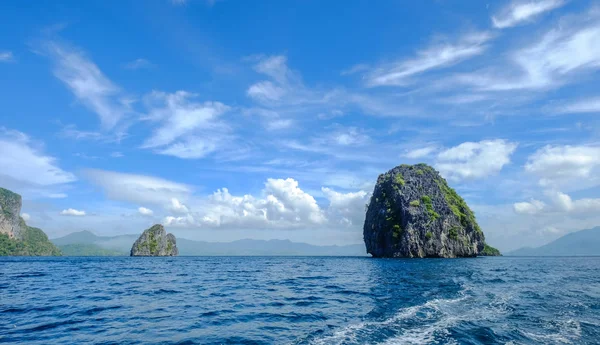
x=413 y=213
x=155 y=242
x=16 y=238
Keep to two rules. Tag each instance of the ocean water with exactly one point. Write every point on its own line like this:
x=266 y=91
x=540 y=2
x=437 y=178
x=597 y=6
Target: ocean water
x=299 y=300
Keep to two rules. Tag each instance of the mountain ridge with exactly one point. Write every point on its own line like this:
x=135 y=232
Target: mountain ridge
x=578 y=243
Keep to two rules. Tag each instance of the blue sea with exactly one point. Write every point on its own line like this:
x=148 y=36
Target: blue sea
x=299 y=300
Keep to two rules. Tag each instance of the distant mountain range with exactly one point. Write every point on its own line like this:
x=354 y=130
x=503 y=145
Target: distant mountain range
x=580 y=243
x=85 y=243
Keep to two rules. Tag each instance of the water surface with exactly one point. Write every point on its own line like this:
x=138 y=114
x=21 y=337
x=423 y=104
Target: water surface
x=299 y=300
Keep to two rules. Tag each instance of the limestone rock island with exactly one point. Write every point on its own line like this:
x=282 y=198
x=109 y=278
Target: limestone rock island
x=16 y=237
x=413 y=213
x=155 y=242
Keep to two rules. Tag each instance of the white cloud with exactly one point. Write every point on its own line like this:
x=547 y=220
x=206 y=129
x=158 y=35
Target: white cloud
x=471 y=160
x=564 y=164
x=6 y=56
x=177 y=206
x=346 y=208
x=87 y=82
x=145 y=211
x=139 y=64
x=550 y=62
x=188 y=129
x=434 y=57
x=117 y=154
x=72 y=212
x=180 y=222
x=25 y=216
x=532 y=207
x=524 y=11
x=265 y=91
x=561 y=203
x=22 y=161
x=591 y=105
x=420 y=152
x=138 y=188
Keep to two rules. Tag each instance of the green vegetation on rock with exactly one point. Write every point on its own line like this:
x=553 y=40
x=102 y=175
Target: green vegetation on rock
x=415 y=203
x=458 y=206
x=489 y=251
x=81 y=249
x=429 y=206
x=34 y=243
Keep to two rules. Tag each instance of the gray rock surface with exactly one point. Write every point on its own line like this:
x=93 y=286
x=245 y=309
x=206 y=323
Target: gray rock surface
x=11 y=222
x=155 y=242
x=414 y=213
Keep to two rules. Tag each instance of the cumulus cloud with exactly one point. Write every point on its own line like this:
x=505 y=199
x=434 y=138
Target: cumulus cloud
x=25 y=216
x=520 y=12
x=346 y=208
x=177 y=206
x=21 y=160
x=472 y=160
x=564 y=164
x=531 y=207
x=437 y=56
x=138 y=189
x=591 y=105
x=72 y=212
x=187 y=129
x=145 y=211
x=560 y=203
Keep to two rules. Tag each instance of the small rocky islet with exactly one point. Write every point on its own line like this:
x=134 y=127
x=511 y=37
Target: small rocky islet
x=155 y=242
x=414 y=213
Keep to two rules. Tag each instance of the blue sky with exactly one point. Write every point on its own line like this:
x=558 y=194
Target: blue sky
x=237 y=119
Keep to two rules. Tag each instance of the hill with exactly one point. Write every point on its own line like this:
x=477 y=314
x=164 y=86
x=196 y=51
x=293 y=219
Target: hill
x=579 y=243
x=246 y=247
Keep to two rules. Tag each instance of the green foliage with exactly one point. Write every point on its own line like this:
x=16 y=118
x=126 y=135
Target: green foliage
x=415 y=203
x=420 y=172
x=428 y=235
x=453 y=233
x=458 y=206
x=429 y=206
x=80 y=249
x=153 y=243
x=34 y=243
x=399 y=179
x=489 y=251
x=397 y=231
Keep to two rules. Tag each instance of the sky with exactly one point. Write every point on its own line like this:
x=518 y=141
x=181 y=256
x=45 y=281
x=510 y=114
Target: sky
x=229 y=119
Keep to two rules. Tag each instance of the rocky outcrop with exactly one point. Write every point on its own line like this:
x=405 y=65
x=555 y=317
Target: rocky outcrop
x=16 y=238
x=414 y=213
x=11 y=223
x=155 y=242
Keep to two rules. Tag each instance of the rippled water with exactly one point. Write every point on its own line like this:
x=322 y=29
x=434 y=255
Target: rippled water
x=299 y=300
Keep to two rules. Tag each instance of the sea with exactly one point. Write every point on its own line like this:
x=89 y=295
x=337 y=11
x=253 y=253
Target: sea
x=299 y=300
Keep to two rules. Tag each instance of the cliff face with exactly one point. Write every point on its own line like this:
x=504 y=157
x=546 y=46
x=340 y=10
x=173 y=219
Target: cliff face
x=414 y=213
x=16 y=238
x=10 y=210
x=155 y=242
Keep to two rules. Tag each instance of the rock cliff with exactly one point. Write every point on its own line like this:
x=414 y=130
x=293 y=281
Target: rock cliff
x=16 y=238
x=414 y=213
x=155 y=242
x=10 y=210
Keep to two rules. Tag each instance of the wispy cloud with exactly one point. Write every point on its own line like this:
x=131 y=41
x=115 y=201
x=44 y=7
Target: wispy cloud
x=552 y=61
x=22 y=161
x=524 y=11
x=139 y=64
x=591 y=105
x=187 y=129
x=6 y=56
x=436 y=56
x=87 y=82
